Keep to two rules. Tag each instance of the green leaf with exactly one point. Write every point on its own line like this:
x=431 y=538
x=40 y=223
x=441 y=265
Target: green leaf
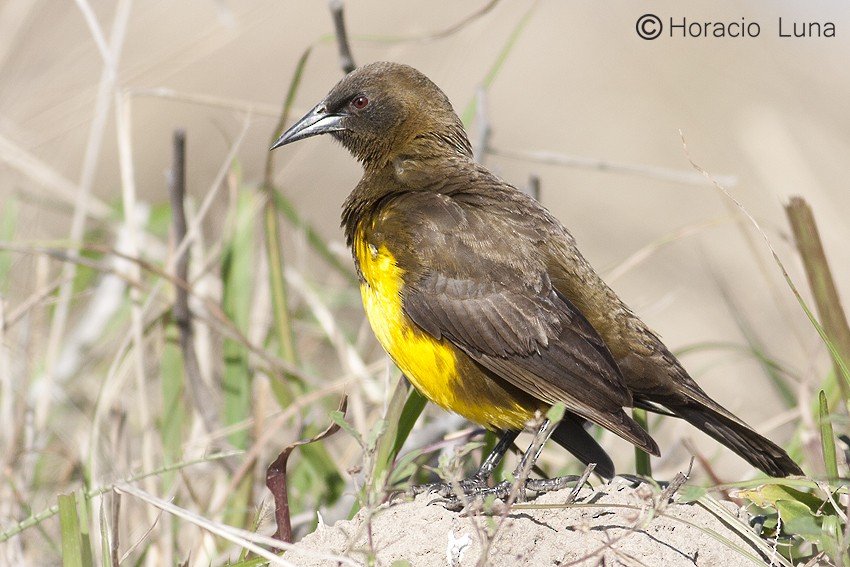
x=339 y=418
x=767 y=495
x=832 y=540
x=405 y=467
x=375 y=433
x=798 y=519
x=688 y=494
x=556 y=413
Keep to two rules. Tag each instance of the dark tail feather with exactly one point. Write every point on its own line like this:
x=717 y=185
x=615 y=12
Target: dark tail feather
x=752 y=447
x=572 y=436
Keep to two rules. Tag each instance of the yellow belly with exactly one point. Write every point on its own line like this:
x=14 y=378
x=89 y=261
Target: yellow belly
x=433 y=366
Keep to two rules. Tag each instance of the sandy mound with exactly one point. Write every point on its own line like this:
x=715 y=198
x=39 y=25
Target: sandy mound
x=614 y=524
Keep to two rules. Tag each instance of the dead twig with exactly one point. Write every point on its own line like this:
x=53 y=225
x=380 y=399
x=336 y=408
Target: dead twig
x=276 y=478
x=181 y=312
x=346 y=60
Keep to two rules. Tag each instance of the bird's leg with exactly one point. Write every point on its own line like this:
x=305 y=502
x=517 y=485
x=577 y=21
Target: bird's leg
x=477 y=481
x=494 y=458
x=455 y=495
x=506 y=489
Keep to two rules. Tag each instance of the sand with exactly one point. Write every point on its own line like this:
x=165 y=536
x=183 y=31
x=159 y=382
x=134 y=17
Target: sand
x=614 y=524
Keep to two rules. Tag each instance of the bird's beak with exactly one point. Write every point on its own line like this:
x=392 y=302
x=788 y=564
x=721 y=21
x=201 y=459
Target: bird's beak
x=317 y=121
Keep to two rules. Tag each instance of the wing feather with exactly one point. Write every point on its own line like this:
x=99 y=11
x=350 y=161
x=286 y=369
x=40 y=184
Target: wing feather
x=472 y=281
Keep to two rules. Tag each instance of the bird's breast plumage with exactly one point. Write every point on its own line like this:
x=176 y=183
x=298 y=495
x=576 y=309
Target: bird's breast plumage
x=440 y=371
x=427 y=363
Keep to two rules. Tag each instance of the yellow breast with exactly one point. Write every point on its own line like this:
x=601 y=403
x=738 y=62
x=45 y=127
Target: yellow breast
x=433 y=366
x=427 y=363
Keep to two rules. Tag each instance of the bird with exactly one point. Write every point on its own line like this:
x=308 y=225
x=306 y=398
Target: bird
x=481 y=297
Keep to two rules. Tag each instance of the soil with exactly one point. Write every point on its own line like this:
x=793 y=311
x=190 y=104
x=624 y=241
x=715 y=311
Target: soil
x=614 y=524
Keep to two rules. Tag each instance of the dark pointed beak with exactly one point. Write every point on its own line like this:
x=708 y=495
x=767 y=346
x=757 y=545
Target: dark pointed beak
x=317 y=121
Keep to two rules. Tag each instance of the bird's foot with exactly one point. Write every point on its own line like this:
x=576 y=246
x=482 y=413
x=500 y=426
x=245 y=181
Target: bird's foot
x=474 y=492
x=466 y=486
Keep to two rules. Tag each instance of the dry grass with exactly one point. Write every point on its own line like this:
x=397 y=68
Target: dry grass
x=167 y=467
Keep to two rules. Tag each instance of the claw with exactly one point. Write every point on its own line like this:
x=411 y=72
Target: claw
x=474 y=491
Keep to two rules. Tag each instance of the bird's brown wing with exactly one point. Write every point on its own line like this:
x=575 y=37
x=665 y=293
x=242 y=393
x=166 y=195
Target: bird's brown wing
x=474 y=277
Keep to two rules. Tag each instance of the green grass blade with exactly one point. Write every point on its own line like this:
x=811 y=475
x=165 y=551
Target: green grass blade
x=83 y=504
x=827 y=438
x=284 y=114
x=274 y=252
x=843 y=371
x=237 y=296
x=413 y=406
x=105 y=539
x=493 y=72
x=317 y=473
x=404 y=408
x=7 y=234
x=765 y=548
x=280 y=303
x=237 y=277
x=643 y=465
x=69 y=523
x=758 y=349
x=822 y=284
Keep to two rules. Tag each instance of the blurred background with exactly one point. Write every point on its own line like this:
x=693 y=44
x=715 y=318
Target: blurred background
x=564 y=92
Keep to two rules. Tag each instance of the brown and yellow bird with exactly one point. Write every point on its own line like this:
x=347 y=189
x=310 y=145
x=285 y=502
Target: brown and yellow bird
x=481 y=297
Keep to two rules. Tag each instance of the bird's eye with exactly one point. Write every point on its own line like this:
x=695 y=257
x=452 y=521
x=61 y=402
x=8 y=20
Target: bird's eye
x=360 y=102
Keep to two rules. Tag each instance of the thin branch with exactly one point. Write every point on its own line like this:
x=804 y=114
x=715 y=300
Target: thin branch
x=203 y=99
x=177 y=193
x=463 y=23
x=533 y=188
x=114 y=545
x=346 y=60
x=198 y=390
x=662 y=173
x=481 y=147
x=97 y=130
x=242 y=538
x=431 y=36
x=46 y=179
x=216 y=317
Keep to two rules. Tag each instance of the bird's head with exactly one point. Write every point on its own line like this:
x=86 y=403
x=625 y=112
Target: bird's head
x=382 y=111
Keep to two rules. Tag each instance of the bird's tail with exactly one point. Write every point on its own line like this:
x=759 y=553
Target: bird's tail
x=757 y=450
x=572 y=436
